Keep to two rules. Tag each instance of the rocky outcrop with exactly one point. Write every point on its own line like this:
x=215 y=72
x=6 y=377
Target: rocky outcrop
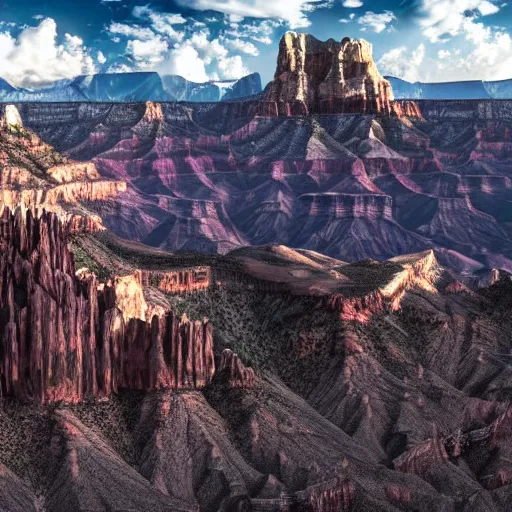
x=407 y=108
x=35 y=176
x=89 y=475
x=184 y=280
x=9 y=117
x=64 y=337
x=70 y=193
x=328 y=77
x=234 y=372
x=334 y=495
x=374 y=287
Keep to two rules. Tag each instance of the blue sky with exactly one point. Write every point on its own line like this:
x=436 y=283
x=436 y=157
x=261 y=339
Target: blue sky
x=430 y=40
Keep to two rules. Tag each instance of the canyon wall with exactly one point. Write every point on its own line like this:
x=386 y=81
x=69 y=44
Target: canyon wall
x=64 y=337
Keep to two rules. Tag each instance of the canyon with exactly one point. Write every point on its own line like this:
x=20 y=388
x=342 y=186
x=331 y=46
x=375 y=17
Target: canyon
x=215 y=177
x=298 y=301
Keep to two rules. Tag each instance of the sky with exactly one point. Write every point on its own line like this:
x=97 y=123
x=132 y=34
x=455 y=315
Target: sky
x=418 y=40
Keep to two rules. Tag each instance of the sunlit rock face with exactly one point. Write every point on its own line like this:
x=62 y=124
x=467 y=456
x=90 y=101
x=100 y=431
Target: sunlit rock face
x=65 y=337
x=327 y=77
x=10 y=117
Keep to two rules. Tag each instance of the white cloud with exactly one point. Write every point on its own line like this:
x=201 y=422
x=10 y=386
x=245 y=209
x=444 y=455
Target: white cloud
x=376 y=22
x=35 y=58
x=259 y=31
x=481 y=51
x=148 y=53
x=209 y=50
x=349 y=19
x=235 y=18
x=147 y=12
x=119 y=67
x=352 y=4
x=402 y=63
x=293 y=12
x=241 y=46
x=123 y=29
x=232 y=68
x=486 y=8
x=101 y=58
x=163 y=23
x=186 y=62
x=157 y=42
x=488 y=57
x=442 y=19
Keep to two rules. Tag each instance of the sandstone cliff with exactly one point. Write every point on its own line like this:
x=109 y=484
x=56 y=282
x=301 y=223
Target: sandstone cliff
x=327 y=77
x=63 y=337
x=35 y=176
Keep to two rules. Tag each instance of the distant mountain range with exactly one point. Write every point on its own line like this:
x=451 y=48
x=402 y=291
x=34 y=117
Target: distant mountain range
x=134 y=87
x=472 y=89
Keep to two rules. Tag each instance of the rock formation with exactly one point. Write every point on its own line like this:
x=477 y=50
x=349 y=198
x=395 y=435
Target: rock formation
x=236 y=375
x=328 y=77
x=430 y=176
x=63 y=337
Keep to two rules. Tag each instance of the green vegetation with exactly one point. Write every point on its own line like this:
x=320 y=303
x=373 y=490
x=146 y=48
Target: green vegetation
x=83 y=259
x=291 y=336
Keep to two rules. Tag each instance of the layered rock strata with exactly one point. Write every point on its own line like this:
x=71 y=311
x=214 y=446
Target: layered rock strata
x=327 y=77
x=64 y=337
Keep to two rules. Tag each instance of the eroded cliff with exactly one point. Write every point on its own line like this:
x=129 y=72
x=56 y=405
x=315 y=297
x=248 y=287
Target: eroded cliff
x=327 y=77
x=65 y=337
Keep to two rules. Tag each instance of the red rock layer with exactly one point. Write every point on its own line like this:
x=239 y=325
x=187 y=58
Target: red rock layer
x=328 y=77
x=185 y=280
x=63 y=338
x=406 y=108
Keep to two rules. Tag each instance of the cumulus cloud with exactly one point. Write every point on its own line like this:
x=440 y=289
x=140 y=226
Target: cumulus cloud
x=156 y=41
x=478 y=52
x=163 y=23
x=402 y=63
x=101 y=58
x=123 y=29
x=442 y=19
x=241 y=46
x=35 y=58
x=488 y=57
x=349 y=19
x=293 y=12
x=186 y=62
x=232 y=68
x=376 y=22
x=259 y=31
x=148 y=53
